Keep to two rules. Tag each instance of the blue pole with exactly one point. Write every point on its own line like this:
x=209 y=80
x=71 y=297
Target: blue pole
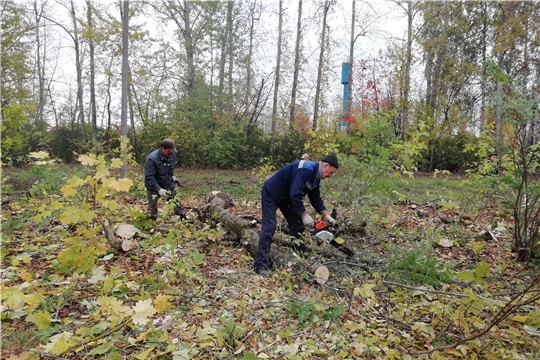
x=345 y=81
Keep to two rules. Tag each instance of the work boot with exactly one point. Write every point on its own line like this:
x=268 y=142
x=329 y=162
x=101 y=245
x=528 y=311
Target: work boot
x=262 y=271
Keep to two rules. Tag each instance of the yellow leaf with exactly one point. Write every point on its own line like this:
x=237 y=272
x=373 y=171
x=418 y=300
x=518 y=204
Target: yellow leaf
x=75 y=181
x=162 y=303
x=32 y=302
x=12 y=296
x=88 y=216
x=111 y=205
x=25 y=275
x=111 y=305
x=42 y=319
x=339 y=240
x=59 y=344
x=116 y=163
x=68 y=191
x=39 y=155
x=515 y=332
x=100 y=194
x=366 y=292
x=144 y=354
x=121 y=185
x=108 y=285
x=87 y=160
x=56 y=205
x=142 y=311
x=197 y=310
x=102 y=173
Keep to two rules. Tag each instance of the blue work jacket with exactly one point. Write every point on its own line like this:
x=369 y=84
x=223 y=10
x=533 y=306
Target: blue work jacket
x=293 y=181
x=159 y=170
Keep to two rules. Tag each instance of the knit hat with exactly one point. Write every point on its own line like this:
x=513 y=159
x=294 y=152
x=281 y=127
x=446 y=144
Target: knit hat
x=169 y=144
x=331 y=159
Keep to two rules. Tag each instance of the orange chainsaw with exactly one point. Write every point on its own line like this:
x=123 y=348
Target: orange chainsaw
x=326 y=233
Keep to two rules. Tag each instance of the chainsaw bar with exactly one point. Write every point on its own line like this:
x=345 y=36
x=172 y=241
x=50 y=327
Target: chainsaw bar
x=325 y=233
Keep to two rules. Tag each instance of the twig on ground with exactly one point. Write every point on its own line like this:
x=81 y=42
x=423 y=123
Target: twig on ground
x=504 y=313
x=278 y=340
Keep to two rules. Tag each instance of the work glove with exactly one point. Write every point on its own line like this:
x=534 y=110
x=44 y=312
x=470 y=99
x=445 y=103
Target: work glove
x=175 y=180
x=162 y=193
x=308 y=221
x=329 y=220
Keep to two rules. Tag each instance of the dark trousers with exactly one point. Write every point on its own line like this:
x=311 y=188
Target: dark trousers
x=269 y=224
x=153 y=197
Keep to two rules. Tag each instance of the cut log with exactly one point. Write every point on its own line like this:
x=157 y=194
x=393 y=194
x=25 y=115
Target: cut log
x=322 y=274
x=115 y=242
x=126 y=231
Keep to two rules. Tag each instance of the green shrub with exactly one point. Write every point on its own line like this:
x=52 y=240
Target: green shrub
x=417 y=266
x=447 y=153
x=303 y=311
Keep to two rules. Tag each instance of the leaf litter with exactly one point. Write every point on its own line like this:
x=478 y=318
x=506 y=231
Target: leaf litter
x=175 y=300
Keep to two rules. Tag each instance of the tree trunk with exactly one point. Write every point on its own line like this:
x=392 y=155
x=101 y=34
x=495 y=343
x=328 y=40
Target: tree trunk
x=351 y=57
x=125 y=89
x=407 y=80
x=296 y=65
x=93 y=114
x=326 y=7
x=250 y=52
x=230 y=54
x=40 y=61
x=278 y=68
x=78 y=64
x=222 y=60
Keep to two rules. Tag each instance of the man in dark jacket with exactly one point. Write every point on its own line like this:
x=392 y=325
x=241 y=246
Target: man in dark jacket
x=159 y=178
x=285 y=190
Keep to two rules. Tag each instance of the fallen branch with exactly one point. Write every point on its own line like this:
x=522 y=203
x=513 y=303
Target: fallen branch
x=458 y=294
x=504 y=313
x=280 y=339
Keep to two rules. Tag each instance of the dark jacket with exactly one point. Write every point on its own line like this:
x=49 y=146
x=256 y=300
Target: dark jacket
x=158 y=171
x=293 y=181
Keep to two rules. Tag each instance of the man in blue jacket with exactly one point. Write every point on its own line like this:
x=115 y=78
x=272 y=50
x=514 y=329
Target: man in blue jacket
x=159 y=178
x=285 y=190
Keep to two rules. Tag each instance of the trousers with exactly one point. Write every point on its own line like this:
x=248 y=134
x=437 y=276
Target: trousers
x=269 y=225
x=153 y=197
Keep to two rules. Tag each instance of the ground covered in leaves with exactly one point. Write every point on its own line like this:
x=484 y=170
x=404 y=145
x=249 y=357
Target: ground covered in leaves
x=435 y=280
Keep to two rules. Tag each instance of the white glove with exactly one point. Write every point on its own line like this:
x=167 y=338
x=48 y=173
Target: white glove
x=308 y=221
x=174 y=179
x=329 y=220
x=162 y=192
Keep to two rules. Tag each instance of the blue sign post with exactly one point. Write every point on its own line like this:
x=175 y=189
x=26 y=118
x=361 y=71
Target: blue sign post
x=345 y=81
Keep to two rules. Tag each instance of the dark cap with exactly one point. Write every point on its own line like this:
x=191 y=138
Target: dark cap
x=331 y=159
x=169 y=144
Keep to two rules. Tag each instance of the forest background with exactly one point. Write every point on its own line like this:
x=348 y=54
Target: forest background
x=237 y=82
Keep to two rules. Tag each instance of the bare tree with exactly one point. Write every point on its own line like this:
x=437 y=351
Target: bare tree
x=278 y=67
x=90 y=24
x=125 y=69
x=40 y=63
x=326 y=7
x=78 y=64
x=296 y=64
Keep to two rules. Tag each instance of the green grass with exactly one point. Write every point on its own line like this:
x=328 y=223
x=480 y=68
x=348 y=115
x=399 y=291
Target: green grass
x=417 y=266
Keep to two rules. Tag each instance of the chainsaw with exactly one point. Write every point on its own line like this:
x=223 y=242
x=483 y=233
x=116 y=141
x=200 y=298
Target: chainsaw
x=326 y=233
